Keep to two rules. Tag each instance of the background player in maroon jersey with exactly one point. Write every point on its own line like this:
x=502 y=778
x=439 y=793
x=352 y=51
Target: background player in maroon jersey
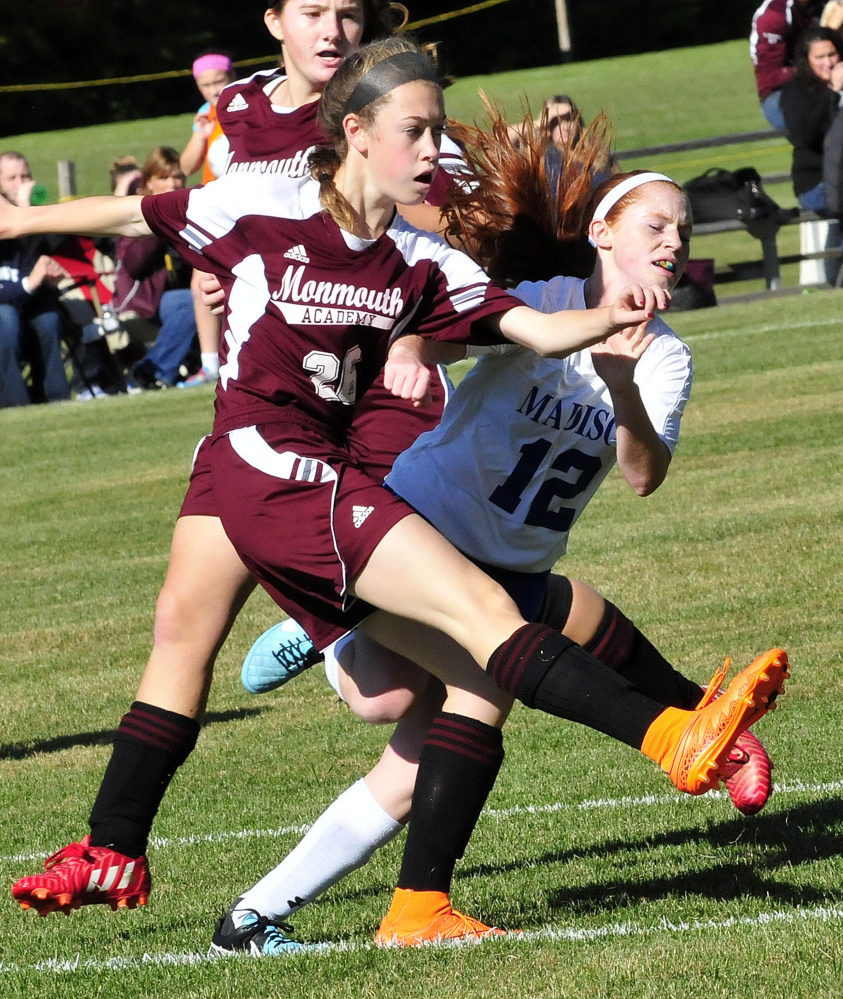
x=206 y=583
x=309 y=523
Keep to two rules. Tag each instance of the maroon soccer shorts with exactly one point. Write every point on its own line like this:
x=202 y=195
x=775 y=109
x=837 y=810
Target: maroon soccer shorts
x=199 y=500
x=303 y=519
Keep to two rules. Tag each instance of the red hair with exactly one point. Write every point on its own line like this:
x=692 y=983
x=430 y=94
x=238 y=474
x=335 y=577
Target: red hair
x=520 y=222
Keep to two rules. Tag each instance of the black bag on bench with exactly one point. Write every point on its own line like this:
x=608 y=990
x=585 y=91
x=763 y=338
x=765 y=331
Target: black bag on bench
x=722 y=195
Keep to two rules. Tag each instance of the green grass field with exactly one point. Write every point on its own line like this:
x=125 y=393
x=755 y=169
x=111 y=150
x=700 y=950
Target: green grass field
x=624 y=890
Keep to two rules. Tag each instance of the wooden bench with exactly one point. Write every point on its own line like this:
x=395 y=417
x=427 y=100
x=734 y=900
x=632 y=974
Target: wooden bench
x=764 y=230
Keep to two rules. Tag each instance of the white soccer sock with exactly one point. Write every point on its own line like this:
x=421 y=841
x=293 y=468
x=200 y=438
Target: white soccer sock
x=211 y=362
x=342 y=839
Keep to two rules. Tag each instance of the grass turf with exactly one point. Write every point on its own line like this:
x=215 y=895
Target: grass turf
x=623 y=888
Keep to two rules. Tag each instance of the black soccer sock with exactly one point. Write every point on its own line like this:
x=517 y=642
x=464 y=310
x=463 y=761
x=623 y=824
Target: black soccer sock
x=150 y=744
x=549 y=672
x=457 y=770
x=622 y=647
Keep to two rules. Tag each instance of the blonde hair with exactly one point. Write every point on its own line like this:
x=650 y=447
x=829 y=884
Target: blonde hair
x=325 y=161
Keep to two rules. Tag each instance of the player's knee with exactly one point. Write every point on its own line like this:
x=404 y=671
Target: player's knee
x=385 y=708
x=179 y=616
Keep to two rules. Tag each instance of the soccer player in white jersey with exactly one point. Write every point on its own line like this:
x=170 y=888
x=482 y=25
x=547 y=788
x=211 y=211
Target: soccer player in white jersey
x=522 y=447
x=304 y=337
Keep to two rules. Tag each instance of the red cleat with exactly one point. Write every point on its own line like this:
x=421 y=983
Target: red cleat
x=748 y=779
x=81 y=874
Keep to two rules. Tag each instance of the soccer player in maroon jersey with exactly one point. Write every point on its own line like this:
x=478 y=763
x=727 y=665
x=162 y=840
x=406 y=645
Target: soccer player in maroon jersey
x=323 y=279
x=270 y=120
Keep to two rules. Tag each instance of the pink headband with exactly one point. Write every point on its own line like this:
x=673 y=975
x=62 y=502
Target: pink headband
x=212 y=61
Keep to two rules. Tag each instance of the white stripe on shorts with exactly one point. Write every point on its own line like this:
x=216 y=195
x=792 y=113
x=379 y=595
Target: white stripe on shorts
x=255 y=451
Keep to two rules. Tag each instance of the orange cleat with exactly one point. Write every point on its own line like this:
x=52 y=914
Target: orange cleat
x=694 y=747
x=81 y=874
x=416 y=918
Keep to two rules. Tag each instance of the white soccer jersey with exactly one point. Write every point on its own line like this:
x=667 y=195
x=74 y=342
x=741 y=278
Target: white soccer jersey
x=525 y=441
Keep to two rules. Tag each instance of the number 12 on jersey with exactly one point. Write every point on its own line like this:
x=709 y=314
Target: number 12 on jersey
x=508 y=496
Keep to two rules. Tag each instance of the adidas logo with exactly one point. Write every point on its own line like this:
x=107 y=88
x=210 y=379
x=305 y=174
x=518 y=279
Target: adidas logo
x=298 y=253
x=238 y=103
x=359 y=514
x=103 y=880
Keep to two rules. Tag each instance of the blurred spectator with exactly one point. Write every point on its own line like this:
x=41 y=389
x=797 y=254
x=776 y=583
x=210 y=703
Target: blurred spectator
x=809 y=103
x=152 y=283
x=208 y=146
x=125 y=176
x=31 y=323
x=30 y=327
x=564 y=125
x=565 y=122
x=776 y=26
x=16 y=183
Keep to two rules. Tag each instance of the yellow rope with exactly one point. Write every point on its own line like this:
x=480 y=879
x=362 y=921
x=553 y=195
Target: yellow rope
x=175 y=73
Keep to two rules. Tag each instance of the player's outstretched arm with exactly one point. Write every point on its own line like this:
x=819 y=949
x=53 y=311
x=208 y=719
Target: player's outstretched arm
x=103 y=216
x=558 y=334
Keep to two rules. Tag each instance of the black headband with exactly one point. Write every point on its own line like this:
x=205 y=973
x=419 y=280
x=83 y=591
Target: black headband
x=392 y=72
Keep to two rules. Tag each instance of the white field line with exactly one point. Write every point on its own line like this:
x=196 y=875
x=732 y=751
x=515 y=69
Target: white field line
x=557 y=934
x=743 y=331
x=644 y=801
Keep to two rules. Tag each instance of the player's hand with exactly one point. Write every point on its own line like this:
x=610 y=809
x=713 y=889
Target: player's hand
x=25 y=193
x=213 y=297
x=405 y=375
x=637 y=304
x=615 y=358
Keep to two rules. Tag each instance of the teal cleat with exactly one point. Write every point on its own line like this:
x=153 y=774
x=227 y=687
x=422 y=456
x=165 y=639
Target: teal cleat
x=253 y=934
x=277 y=656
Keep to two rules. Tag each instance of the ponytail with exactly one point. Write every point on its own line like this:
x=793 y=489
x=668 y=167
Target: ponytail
x=526 y=218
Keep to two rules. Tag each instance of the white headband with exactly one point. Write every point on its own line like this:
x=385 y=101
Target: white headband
x=608 y=202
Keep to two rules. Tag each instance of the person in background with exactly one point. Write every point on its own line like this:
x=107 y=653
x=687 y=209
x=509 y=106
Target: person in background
x=31 y=326
x=207 y=148
x=16 y=183
x=31 y=322
x=125 y=174
x=810 y=102
x=147 y=283
x=776 y=26
x=565 y=122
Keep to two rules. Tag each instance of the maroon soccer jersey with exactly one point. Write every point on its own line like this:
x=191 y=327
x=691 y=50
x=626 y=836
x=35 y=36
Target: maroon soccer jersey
x=263 y=137
x=311 y=310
